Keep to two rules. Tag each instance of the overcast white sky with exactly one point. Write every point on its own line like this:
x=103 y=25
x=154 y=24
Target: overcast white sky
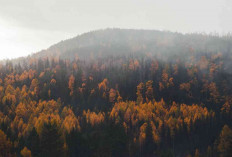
x=27 y=26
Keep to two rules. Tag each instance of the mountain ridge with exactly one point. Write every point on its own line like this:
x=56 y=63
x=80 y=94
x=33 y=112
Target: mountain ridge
x=117 y=42
x=128 y=41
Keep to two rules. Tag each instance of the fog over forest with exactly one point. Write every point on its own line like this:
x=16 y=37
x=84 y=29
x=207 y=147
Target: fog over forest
x=28 y=26
x=115 y=78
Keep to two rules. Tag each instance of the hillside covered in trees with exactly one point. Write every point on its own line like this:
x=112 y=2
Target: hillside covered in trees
x=119 y=93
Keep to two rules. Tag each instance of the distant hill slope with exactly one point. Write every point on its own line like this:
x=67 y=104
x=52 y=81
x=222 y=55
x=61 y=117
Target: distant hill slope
x=113 y=42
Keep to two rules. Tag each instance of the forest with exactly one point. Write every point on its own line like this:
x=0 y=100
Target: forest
x=120 y=93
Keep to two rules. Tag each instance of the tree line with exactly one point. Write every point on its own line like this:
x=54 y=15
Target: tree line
x=131 y=105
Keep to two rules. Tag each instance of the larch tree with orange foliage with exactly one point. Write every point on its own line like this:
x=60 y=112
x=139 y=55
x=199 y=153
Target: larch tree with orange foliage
x=71 y=84
x=139 y=93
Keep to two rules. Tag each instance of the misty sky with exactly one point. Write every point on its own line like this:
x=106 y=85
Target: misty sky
x=27 y=26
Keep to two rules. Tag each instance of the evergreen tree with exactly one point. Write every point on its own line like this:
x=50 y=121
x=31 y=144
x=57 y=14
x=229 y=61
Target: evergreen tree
x=52 y=143
x=149 y=145
x=33 y=143
x=225 y=142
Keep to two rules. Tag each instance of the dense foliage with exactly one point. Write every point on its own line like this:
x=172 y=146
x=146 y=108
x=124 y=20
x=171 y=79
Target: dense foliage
x=132 y=104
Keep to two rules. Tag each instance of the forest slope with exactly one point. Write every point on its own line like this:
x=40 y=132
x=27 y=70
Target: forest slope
x=120 y=93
